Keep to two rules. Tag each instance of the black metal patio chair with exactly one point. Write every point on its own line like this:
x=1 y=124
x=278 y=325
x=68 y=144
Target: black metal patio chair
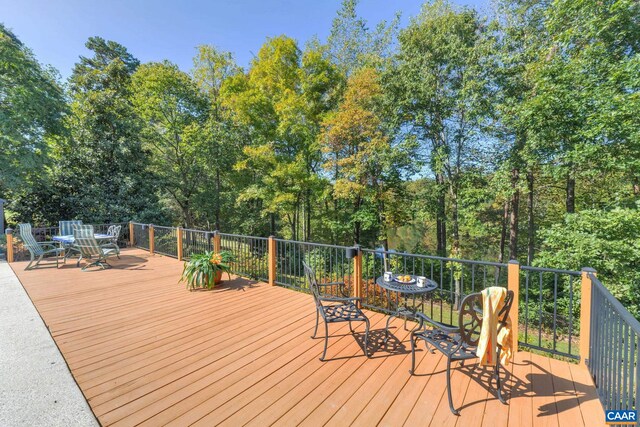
x=459 y=343
x=334 y=309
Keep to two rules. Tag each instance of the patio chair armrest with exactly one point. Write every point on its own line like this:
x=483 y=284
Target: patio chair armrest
x=440 y=326
x=52 y=244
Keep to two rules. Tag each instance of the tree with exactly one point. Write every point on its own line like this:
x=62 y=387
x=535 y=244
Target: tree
x=439 y=88
x=100 y=172
x=32 y=108
x=174 y=113
x=211 y=68
x=520 y=35
x=359 y=151
x=353 y=45
x=281 y=101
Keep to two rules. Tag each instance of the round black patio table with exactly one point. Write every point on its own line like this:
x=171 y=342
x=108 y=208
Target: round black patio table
x=405 y=289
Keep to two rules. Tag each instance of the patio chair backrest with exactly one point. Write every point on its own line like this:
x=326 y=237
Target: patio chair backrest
x=85 y=240
x=26 y=235
x=114 y=231
x=470 y=317
x=66 y=227
x=313 y=283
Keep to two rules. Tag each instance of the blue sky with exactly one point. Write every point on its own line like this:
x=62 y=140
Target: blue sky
x=155 y=30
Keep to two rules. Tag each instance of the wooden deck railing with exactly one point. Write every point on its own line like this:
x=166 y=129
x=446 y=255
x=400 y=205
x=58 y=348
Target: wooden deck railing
x=550 y=317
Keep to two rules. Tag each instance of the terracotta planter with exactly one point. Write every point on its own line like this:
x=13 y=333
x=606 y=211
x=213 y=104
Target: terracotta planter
x=218 y=277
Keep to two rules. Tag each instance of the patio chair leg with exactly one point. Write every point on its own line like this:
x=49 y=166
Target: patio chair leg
x=413 y=354
x=315 y=331
x=326 y=340
x=499 y=384
x=350 y=327
x=366 y=338
x=453 y=410
x=386 y=329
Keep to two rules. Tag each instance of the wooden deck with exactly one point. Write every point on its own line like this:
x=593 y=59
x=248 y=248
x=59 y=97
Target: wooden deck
x=146 y=351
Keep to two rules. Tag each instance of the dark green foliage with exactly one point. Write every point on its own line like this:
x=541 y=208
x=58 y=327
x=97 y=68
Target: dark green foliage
x=607 y=240
x=32 y=107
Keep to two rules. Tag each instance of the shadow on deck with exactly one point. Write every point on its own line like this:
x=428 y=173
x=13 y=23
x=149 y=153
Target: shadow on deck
x=144 y=350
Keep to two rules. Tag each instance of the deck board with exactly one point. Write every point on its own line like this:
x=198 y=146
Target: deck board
x=145 y=351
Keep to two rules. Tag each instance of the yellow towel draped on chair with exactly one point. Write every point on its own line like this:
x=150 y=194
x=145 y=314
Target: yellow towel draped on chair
x=493 y=299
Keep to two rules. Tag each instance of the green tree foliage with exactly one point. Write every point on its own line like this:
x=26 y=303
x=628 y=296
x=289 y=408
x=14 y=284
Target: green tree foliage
x=608 y=241
x=174 y=114
x=32 y=107
x=98 y=169
x=366 y=167
x=353 y=45
x=211 y=68
x=439 y=88
x=281 y=101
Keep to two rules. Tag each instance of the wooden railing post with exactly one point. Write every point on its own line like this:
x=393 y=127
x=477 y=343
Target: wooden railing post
x=151 y=239
x=585 y=313
x=513 y=284
x=179 y=242
x=272 y=260
x=132 y=240
x=357 y=275
x=9 y=234
x=217 y=244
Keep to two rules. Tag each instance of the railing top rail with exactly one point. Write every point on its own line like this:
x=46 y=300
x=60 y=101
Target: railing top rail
x=438 y=258
x=322 y=245
x=163 y=227
x=617 y=306
x=243 y=236
x=549 y=270
x=193 y=230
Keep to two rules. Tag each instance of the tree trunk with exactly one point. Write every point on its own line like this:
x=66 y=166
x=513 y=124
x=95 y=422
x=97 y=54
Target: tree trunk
x=272 y=225
x=294 y=223
x=455 y=229
x=441 y=222
x=503 y=234
x=531 y=226
x=571 y=194
x=513 y=219
x=217 y=212
x=636 y=186
x=307 y=236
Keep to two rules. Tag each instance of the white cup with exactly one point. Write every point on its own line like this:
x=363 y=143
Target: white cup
x=421 y=281
x=388 y=276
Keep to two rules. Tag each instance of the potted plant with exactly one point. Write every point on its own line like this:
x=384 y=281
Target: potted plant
x=205 y=270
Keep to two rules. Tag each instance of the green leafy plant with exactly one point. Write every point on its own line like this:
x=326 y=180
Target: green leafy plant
x=205 y=270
